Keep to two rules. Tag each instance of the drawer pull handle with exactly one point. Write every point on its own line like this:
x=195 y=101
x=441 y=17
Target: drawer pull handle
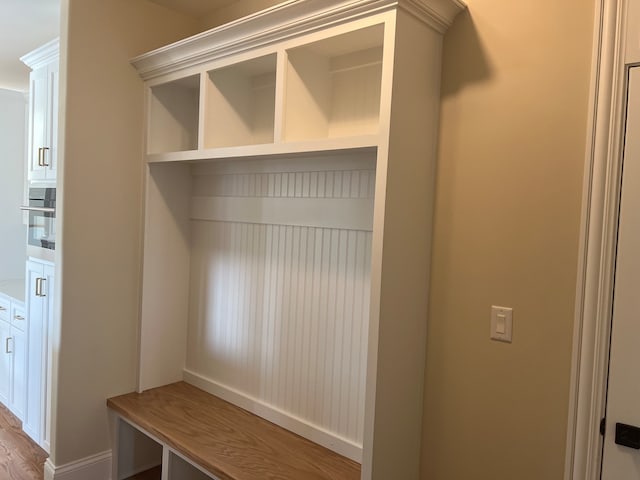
x=6 y=345
x=18 y=317
x=2 y=309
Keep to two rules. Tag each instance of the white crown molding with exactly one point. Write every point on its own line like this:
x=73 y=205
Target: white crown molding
x=42 y=55
x=283 y=21
x=438 y=14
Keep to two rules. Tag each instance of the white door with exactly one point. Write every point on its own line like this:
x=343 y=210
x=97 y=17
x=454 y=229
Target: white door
x=622 y=462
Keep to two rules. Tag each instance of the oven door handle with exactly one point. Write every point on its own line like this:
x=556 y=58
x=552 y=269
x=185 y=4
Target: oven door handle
x=38 y=209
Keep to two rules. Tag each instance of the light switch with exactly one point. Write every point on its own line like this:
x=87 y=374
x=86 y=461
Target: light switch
x=501 y=323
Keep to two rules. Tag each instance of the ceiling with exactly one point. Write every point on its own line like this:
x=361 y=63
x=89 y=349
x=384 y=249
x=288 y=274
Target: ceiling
x=24 y=26
x=27 y=24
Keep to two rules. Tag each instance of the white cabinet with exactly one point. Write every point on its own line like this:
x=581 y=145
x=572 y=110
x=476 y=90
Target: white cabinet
x=13 y=325
x=290 y=275
x=43 y=112
x=5 y=357
x=40 y=297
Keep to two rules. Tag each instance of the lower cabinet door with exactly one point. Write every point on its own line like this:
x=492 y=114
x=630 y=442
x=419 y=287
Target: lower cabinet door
x=19 y=377
x=5 y=362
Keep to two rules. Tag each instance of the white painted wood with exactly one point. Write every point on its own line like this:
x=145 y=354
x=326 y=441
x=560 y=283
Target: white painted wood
x=317 y=328
x=257 y=335
x=5 y=361
x=352 y=214
x=401 y=253
x=334 y=145
x=43 y=112
x=623 y=386
x=136 y=451
x=165 y=289
x=333 y=86
x=40 y=308
x=173 y=114
x=287 y=19
x=300 y=426
x=296 y=300
x=95 y=467
x=17 y=402
x=601 y=193
x=184 y=470
x=240 y=104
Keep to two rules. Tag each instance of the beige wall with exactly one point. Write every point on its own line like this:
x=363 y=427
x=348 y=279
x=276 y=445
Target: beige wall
x=101 y=183
x=236 y=10
x=510 y=166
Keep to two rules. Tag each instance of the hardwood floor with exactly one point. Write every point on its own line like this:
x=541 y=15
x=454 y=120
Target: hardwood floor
x=20 y=457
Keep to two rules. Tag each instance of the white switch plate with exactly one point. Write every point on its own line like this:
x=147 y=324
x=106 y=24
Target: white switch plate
x=501 y=323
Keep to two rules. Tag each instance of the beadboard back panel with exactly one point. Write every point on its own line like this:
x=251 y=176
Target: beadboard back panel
x=280 y=308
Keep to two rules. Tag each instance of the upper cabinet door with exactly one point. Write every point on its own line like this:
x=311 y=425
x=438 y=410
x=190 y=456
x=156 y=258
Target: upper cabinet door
x=50 y=159
x=39 y=94
x=43 y=112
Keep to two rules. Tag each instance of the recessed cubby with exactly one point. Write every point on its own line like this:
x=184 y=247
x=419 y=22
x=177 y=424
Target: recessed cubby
x=240 y=103
x=173 y=116
x=139 y=456
x=333 y=86
x=183 y=470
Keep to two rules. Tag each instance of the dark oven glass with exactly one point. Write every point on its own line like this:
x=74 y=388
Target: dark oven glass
x=42 y=218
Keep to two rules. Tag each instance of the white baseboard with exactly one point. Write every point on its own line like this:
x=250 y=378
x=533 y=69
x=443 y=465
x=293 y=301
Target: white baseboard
x=292 y=423
x=96 y=467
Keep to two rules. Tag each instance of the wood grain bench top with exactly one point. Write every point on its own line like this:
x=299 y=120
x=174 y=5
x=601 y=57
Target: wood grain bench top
x=226 y=440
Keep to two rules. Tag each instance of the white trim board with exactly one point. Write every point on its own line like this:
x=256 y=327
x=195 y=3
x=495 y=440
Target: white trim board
x=601 y=193
x=95 y=467
x=296 y=425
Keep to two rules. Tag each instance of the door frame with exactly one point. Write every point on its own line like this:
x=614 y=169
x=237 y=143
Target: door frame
x=598 y=239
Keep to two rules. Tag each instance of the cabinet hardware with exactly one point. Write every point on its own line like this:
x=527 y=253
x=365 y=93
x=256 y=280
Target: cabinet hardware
x=6 y=345
x=2 y=309
x=44 y=157
x=18 y=317
x=39 y=290
x=40 y=157
x=38 y=209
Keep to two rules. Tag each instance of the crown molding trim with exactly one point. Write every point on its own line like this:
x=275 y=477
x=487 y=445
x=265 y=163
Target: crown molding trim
x=286 y=20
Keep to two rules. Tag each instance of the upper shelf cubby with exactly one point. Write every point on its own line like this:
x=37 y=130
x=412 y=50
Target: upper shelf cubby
x=240 y=103
x=333 y=86
x=173 y=116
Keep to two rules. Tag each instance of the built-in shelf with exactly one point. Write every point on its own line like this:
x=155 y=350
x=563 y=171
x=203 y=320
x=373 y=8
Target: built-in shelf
x=333 y=86
x=289 y=193
x=344 y=145
x=240 y=103
x=173 y=116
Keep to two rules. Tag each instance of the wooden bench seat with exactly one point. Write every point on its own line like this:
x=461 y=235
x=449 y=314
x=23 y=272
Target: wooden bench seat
x=225 y=440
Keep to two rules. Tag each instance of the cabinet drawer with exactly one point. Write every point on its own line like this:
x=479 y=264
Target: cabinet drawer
x=18 y=316
x=5 y=306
